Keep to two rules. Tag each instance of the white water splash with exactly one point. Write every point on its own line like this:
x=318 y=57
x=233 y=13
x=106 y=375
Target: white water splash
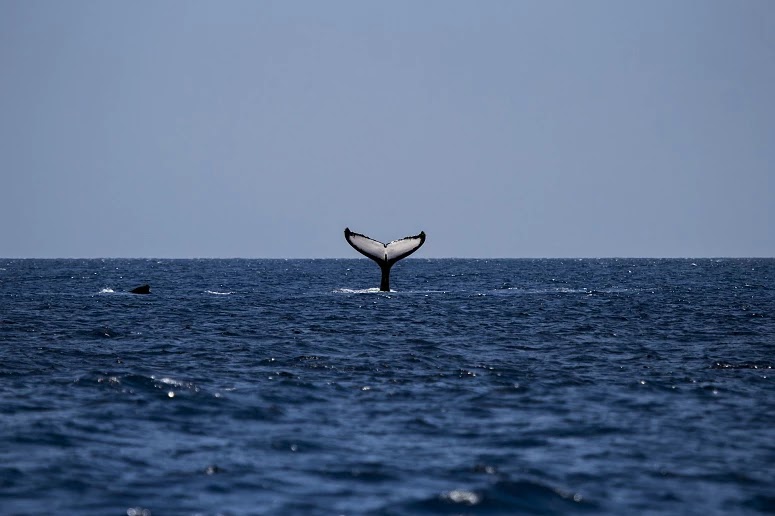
x=358 y=290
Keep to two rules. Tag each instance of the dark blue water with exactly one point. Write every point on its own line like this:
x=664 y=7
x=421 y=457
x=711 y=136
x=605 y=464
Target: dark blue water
x=477 y=387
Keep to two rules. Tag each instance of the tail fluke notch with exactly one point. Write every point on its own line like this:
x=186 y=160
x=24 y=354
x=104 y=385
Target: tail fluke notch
x=384 y=254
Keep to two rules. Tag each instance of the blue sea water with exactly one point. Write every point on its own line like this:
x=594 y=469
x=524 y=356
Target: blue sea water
x=616 y=386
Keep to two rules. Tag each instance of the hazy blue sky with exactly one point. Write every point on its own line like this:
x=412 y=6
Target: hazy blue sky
x=501 y=128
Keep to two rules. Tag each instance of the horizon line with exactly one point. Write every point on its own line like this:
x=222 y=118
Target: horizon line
x=719 y=257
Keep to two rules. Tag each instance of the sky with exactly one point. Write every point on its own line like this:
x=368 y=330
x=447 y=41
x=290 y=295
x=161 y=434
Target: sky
x=501 y=128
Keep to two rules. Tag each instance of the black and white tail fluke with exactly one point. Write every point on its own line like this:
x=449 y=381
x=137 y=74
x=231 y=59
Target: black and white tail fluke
x=384 y=254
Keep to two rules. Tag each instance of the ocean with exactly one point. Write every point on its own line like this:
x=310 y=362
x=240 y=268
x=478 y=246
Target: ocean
x=239 y=387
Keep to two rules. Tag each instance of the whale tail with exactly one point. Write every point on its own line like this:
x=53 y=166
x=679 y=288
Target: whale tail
x=386 y=255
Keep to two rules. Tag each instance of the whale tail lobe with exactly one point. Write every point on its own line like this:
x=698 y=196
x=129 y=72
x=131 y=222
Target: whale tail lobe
x=386 y=255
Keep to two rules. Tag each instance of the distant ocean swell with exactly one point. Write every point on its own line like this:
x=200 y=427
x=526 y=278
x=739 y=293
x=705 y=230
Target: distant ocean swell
x=475 y=387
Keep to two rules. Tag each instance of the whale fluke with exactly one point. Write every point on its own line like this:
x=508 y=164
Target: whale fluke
x=142 y=289
x=384 y=254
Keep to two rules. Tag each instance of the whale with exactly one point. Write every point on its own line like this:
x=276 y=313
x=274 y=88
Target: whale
x=142 y=289
x=385 y=255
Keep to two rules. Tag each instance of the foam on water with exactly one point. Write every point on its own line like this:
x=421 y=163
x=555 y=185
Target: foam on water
x=374 y=290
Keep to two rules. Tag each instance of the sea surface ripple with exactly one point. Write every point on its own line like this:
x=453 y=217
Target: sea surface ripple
x=615 y=386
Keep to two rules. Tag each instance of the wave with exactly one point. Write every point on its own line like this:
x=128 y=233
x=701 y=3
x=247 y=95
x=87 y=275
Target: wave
x=378 y=291
x=563 y=290
x=506 y=496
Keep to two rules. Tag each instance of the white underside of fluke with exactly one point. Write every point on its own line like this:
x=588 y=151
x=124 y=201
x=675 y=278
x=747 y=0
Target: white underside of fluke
x=390 y=252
